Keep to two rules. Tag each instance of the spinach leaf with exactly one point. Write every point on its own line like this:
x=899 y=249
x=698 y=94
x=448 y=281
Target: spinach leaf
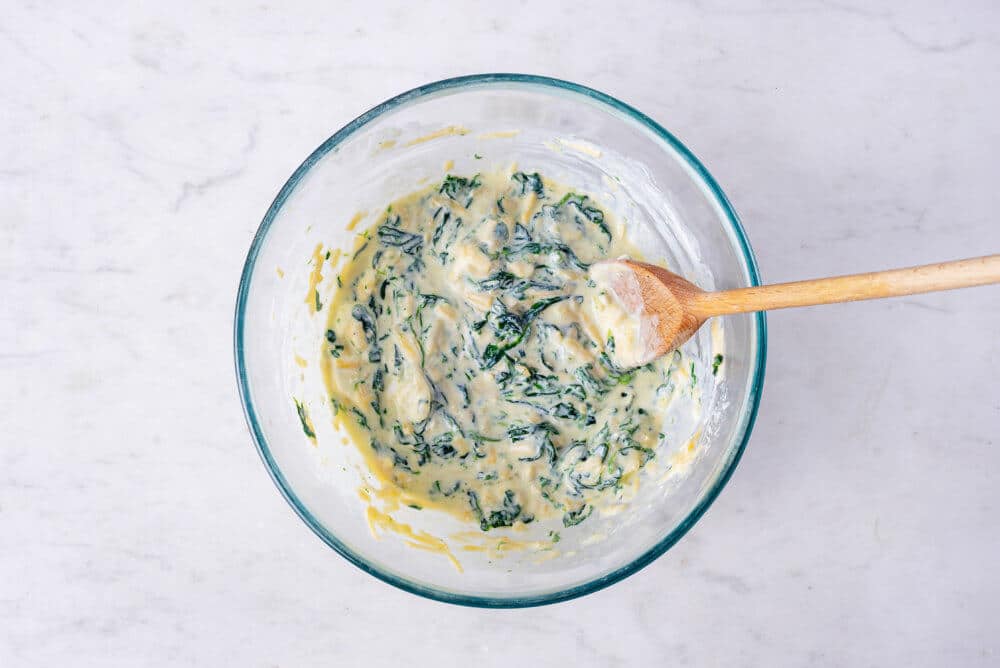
x=543 y=431
x=398 y=461
x=436 y=488
x=604 y=481
x=520 y=432
x=508 y=283
x=360 y=417
x=335 y=348
x=536 y=309
x=459 y=188
x=565 y=411
x=378 y=385
x=574 y=517
x=439 y=230
x=585 y=375
x=408 y=242
x=647 y=453
x=529 y=183
x=510 y=328
x=364 y=316
x=416 y=443
x=617 y=374
x=716 y=363
x=502 y=517
x=304 y=419
x=442 y=446
x=582 y=211
x=523 y=244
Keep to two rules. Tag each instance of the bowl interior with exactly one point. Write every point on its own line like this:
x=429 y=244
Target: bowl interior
x=671 y=207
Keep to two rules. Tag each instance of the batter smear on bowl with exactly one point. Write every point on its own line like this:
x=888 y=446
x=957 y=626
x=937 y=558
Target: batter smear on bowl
x=470 y=356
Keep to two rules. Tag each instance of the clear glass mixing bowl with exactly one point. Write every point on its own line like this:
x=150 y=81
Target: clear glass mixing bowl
x=574 y=135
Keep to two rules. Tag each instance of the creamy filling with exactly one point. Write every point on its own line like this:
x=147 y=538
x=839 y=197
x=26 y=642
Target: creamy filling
x=473 y=360
x=635 y=332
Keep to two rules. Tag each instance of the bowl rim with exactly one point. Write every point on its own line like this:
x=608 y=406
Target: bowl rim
x=250 y=413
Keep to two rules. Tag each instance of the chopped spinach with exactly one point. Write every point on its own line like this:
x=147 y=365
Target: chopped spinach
x=443 y=219
x=529 y=183
x=336 y=349
x=304 y=419
x=618 y=375
x=716 y=363
x=574 y=517
x=583 y=211
x=493 y=519
x=442 y=445
x=511 y=328
x=501 y=391
x=459 y=188
x=523 y=244
x=437 y=489
x=507 y=283
x=408 y=242
x=364 y=316
x=360 y=417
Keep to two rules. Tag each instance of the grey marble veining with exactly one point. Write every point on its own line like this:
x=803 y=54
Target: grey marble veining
x=141 y=146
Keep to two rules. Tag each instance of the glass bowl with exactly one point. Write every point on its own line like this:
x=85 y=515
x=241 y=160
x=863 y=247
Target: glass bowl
x=575 y=135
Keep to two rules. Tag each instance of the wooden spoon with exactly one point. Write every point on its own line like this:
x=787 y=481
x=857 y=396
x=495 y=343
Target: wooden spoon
x=670 y=309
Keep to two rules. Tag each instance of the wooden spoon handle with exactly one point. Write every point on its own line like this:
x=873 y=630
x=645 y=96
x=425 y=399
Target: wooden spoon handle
x=856 y=287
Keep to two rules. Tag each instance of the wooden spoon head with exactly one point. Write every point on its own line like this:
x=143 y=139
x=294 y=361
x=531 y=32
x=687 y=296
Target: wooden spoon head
x=660 y=303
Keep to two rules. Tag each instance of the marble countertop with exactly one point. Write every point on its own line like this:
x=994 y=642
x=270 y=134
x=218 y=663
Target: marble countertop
x=141 y=148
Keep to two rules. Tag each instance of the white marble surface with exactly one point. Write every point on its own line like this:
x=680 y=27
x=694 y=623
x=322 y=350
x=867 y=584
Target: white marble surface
x=141 y=146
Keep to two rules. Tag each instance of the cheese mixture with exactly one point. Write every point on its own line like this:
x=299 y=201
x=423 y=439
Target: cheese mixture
x=471 y=358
